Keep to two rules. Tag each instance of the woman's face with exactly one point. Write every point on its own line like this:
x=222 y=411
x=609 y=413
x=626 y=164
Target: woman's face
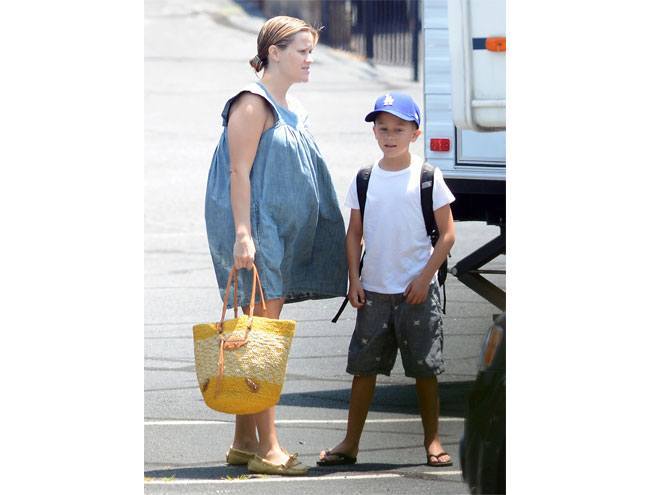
x=296 y=59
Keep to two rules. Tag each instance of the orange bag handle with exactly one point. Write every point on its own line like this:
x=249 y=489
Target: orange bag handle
x=225 y=343
x=251 y=312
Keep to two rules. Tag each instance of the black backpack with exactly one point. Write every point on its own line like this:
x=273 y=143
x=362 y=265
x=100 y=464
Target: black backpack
x=426 y=201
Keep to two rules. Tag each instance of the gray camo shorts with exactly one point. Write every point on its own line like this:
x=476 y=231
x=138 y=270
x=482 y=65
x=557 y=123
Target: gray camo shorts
x=385 y=323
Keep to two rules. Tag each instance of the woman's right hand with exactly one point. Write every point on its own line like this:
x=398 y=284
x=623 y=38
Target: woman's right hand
x=243 y=252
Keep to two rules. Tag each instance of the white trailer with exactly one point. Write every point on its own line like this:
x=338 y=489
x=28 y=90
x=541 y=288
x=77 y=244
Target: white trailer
x=464 y=113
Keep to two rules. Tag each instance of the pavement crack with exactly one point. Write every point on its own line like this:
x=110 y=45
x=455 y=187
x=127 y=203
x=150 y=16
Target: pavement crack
x=175 y=389
x=185 y=369
x=170 y=360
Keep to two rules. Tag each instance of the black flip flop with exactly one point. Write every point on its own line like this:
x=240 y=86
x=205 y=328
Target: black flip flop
x=340 y=459
x=438 y=463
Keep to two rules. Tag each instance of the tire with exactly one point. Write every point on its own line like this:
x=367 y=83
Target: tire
x=501 y=475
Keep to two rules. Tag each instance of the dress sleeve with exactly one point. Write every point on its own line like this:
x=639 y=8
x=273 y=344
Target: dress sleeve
x=250 y=88
x=441 y=194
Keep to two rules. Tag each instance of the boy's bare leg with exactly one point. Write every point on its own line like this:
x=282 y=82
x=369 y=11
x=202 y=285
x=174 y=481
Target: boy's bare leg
x=363 y=389
x=429 y=402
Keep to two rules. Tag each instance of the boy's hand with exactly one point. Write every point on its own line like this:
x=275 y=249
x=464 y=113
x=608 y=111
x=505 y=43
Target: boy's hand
x=418 y=290
x=356 y=295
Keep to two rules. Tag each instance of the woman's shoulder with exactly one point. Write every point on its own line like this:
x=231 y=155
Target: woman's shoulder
x=252 y=89
x=252 y=94
x=252 y=100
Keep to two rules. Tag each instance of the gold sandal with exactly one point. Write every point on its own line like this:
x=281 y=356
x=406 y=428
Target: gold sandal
x=238 y=457
x=292 y=467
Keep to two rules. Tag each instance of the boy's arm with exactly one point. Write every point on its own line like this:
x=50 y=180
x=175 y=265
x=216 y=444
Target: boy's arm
x=353 y=238
x=417 y=290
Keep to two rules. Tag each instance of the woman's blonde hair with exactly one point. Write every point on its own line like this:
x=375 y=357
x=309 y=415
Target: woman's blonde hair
x=278 y=31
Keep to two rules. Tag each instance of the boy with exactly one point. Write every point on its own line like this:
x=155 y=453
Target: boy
x=397 y=294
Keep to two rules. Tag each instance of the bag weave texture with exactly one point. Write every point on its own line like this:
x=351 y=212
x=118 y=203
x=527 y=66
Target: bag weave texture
x=241 y=363
x=263 y=360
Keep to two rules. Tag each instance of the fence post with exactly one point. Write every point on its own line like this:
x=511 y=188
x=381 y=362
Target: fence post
x=340 y=24
x=415 y=30
x=368 y=27
x=324 y=21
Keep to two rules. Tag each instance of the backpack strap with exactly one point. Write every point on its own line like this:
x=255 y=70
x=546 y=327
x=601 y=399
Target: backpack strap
x=427 y=177
x=363 y=178
x=426 y=201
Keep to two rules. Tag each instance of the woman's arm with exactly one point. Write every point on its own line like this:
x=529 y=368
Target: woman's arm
x=356 y=294
x=249 y=118
x=418 y=289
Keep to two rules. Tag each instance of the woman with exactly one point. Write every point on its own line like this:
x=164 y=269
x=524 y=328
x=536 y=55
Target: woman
x=270 y=200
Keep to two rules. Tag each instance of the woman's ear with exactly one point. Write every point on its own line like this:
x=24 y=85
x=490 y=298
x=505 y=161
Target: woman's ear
x=274 y=53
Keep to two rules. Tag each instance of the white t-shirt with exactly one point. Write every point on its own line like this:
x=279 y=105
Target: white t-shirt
x=395 y=238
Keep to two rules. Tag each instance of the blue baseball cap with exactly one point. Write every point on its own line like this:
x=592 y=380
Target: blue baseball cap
x=399 y=104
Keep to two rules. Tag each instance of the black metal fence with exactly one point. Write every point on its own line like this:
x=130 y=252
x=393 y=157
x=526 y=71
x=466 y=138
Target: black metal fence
x=384 y=31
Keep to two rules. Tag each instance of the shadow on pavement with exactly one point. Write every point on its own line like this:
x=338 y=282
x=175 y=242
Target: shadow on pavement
x=234 y=472
x=359 y=468
x=199 y=473
x=388 y=398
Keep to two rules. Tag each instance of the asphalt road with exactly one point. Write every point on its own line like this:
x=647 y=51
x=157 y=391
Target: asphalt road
x=196 y=56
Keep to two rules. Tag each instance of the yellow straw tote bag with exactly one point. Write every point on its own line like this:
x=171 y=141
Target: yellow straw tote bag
x=241 y=363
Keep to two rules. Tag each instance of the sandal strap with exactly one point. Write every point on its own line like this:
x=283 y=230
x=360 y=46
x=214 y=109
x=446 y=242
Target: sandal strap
x=292 y=461
x=338 y=455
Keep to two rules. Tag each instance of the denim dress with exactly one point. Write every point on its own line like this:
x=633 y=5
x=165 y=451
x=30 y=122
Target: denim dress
x=296 y=223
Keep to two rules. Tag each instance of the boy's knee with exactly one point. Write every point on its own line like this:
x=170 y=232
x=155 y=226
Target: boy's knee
x=364 y=382
x=365 y=378
x=427 y=380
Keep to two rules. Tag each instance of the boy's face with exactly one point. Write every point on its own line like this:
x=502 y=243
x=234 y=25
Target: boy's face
x=394 y=135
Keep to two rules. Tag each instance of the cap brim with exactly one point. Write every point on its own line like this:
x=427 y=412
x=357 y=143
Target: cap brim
x=373 y=115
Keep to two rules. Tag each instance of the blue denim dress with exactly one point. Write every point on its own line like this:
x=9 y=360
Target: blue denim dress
x=296 y=222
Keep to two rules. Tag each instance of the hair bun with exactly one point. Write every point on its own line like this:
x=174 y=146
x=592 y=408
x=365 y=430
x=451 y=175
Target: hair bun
x=256 y=63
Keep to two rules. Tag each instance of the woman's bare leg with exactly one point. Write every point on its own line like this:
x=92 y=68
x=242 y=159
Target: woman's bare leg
x=268 y=446
x=245 y=434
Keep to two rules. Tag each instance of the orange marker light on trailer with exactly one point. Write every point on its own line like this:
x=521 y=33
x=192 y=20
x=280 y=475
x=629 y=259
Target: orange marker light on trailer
x=496 y=44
